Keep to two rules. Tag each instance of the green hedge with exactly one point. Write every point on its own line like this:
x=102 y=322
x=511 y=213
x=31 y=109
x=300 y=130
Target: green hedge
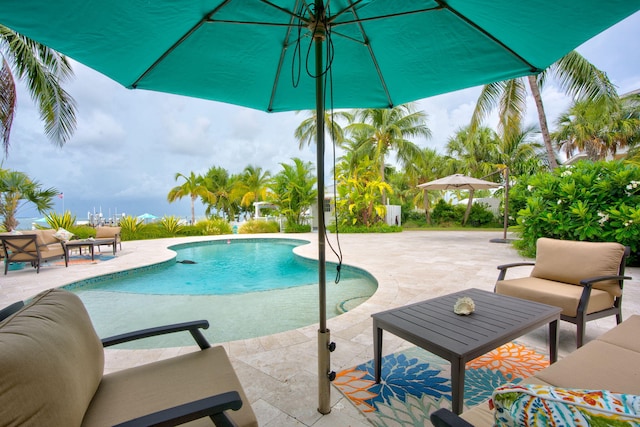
x=594 y=201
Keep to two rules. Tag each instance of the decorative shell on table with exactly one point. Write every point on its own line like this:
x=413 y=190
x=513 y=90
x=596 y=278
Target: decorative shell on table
x=464 y=306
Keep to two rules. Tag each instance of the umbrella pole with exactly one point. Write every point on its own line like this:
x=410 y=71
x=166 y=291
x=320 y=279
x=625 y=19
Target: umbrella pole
x=506 y=203
x=324 y=357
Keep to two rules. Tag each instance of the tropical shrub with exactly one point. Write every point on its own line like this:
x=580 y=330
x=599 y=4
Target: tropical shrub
x=129 y=226
x=55 y=221
x=82 y=231
x=413 y=219
x=380 y=227
x=214 y=227
x=445 y=213
x=595 y=201
x=255 y=227
x=68 y=222
x=171 y=224
x=481 y=215
x=297 y=228
x=359 y=195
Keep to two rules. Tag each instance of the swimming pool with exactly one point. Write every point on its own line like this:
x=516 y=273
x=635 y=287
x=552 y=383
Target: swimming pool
x=245 y=287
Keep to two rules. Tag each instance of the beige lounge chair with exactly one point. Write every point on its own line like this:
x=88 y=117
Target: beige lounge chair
x=52 y=363
x=111 y=233
x=585 y=279
x=32 y=247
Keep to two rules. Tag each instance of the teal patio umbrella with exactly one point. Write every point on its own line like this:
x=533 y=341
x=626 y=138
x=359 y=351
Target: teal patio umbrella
x=282 y=55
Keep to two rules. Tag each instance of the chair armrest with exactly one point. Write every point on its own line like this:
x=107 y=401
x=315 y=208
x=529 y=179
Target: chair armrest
x=208 y=407
x=503 y=268
x=445 y=418
x=591 y=280
x=11 y=309
x=193 y=327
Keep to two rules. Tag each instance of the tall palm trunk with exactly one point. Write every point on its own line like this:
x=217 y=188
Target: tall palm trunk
x=544 y=129
x=384 y=193
x=193 y=209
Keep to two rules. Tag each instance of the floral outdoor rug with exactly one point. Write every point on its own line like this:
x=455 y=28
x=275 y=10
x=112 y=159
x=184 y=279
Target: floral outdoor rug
x=415 y=383
x=86 y=259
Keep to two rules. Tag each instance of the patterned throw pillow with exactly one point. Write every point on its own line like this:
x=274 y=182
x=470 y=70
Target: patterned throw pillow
x=63 y=235
x=540 y=405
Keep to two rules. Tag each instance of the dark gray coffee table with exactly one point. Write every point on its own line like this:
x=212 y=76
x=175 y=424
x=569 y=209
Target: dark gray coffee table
x=433 y=326
x=88 y=243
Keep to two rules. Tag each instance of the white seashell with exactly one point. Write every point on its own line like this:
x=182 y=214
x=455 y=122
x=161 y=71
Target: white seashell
x=464 y=306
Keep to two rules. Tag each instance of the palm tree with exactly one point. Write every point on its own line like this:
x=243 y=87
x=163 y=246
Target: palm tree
x=253 y=185
x=378 y=132
x=223 y=186
x=520 y=152
x=194 y=186
x=577 y=77
x=293 y=190
x=306 y=132
x=599 y=127
x=472 y=152
x=42 y=70
x=17 y=189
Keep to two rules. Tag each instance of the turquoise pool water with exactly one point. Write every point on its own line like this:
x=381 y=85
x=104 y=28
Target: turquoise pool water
x=245 y=287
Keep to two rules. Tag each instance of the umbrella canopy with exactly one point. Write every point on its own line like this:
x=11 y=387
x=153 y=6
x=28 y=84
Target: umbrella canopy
x=275 y=55
x=458 y=182
x=147 y=216
x=257 y=53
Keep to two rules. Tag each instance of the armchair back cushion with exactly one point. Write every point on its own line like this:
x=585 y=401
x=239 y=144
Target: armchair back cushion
x=106 y=232
x=51 y=362
x=45 y=237
x=571 y=261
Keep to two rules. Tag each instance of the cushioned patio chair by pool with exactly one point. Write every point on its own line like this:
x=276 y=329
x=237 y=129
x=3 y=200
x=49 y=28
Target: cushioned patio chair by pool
x=51 y=374
x=109 y=232
x=585 y=279
x=32 y=247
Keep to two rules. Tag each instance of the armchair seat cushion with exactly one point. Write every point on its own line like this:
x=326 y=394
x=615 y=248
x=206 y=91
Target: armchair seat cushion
x=164 y=384
x=563 y=295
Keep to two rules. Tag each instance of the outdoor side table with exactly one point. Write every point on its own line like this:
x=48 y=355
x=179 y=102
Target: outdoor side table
x=433 y=326
x=91 y=244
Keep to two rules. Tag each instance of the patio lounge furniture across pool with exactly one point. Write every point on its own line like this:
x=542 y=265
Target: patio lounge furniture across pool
x=32 y=247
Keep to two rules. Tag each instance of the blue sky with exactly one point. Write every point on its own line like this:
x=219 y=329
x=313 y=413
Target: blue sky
x=129 y=144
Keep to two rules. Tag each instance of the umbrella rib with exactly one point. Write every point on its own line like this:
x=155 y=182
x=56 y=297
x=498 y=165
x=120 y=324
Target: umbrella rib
x=166 y=53
x=285 y=46
x=376 y=65
x=446 y=6
x=288 y=12
x=375 y=18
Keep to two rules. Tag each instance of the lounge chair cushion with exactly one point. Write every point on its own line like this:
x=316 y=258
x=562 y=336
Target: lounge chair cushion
x=602 y=366
x=51 y=362
x=571 y=261
x=107 y=232
x=166 y=383
x=45 y=237
x=563 y=295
